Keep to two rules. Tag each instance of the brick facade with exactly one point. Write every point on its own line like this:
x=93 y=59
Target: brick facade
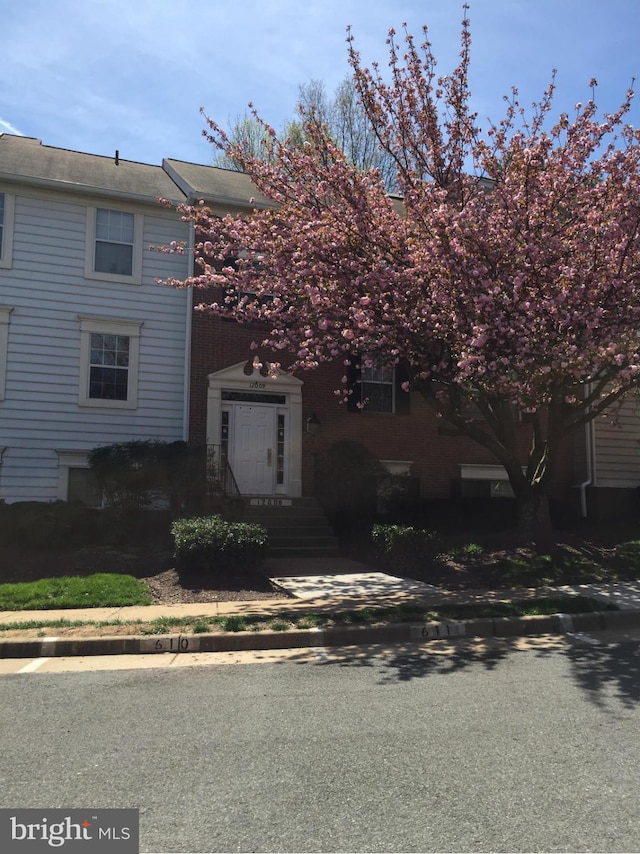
x=416 y=436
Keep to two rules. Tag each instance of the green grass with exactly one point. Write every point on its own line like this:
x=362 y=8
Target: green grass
x=466 y=551
x=90 y=591
x=200 y=627
x=526 y=608
x=285 y=621
x=538 y=569
x=235 y=623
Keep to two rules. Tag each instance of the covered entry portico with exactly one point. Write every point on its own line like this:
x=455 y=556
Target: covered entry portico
x=256 y=423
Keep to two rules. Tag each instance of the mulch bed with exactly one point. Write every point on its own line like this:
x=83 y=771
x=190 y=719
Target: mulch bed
x=582 y=560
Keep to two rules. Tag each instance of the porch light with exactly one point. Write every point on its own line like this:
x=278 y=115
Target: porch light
x=313 y=425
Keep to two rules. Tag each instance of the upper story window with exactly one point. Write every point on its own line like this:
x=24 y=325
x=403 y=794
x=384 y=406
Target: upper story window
x=114 y=245
x=377 y=387
x=6 y=229
x=109 y=350
x=114 y=242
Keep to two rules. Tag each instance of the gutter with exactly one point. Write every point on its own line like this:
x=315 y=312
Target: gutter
x=84 y=189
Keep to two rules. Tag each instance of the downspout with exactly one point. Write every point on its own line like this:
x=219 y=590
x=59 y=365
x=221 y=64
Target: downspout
x=187 y=343
x=590 y=453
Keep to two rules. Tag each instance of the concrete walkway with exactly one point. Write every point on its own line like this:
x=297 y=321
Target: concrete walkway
x=326 y=584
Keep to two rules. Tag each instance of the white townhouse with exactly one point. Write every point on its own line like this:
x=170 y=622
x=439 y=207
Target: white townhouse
x=92 y=349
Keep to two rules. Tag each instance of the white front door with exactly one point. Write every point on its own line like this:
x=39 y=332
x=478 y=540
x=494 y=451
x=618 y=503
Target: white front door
x=248 y=415
x=253 y=451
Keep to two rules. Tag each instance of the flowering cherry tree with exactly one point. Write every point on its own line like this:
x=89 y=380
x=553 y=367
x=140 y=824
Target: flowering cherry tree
x=506 y=274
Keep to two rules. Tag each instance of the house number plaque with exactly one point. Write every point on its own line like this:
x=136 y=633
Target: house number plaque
x=170 y=643
x=433 y=631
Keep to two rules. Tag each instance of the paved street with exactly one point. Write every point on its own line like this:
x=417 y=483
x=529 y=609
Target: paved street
x=513 y=745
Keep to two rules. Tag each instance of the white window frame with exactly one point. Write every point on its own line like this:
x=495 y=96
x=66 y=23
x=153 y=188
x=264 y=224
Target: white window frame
x=6 y=235
x=90 y=271
x=4 y=346
x=109 y=326
x=366 y=379
x=500 y=486
x=69 y=460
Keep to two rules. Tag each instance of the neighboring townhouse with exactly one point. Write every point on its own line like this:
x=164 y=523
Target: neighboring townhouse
x=607 y=467
x=272 y=431
x=92 y=349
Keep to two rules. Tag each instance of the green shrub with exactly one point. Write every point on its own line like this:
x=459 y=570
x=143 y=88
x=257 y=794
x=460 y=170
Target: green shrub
x=403 y=548
x=347 y=478
x=62 y=526
x=211 y=543
x=629 y=552
x=47 y=525
x=135 y=474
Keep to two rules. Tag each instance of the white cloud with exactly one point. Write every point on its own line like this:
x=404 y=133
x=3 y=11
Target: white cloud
x=7 y=127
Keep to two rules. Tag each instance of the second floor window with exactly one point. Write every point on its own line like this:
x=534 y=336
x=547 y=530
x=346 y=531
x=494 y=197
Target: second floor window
x=377 y=387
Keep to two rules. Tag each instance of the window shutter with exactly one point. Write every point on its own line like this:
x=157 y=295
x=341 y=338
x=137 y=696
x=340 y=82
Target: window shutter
x=402 y=397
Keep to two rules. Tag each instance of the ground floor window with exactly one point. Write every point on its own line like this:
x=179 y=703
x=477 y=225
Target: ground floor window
x=76 y=481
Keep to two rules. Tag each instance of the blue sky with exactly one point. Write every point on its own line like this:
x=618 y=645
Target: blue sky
x=101 y=75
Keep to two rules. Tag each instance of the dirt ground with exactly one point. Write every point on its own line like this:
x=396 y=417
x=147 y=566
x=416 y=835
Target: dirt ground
x=498 y=562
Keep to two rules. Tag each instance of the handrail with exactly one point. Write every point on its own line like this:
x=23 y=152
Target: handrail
x=219 y=475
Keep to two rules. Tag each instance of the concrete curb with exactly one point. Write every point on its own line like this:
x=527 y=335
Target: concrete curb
x=500 y=627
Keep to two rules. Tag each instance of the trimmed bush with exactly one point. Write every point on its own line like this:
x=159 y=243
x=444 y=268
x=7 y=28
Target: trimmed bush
x=48 y=525
x=347 y=478
x=210 y=543
x=140 y=473
x=629 y=552
x=403 y=548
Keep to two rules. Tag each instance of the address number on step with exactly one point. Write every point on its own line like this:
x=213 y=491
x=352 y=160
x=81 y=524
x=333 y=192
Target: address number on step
x=433 y=631
x=170 y=643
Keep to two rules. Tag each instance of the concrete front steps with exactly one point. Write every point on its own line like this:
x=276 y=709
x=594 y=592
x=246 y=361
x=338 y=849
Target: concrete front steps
x=297 y=528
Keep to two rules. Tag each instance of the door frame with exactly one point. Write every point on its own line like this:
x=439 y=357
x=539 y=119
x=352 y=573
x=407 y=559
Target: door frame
x=243 y=377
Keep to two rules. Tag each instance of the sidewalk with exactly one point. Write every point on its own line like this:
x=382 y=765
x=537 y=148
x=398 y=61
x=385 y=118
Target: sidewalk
x=320 y=585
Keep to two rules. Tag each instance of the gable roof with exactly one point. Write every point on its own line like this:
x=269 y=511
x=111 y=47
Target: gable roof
x=27 y=160
x=213 y=184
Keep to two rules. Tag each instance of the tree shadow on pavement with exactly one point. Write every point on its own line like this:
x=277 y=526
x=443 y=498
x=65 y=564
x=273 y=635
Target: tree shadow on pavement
x=403 y=663
x=605 y=672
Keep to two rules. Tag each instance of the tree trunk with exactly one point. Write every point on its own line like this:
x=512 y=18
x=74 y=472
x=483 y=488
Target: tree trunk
x=533 y=512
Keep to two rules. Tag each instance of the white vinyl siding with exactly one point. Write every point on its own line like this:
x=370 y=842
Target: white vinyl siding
x=617 y=446
x=48 y=292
